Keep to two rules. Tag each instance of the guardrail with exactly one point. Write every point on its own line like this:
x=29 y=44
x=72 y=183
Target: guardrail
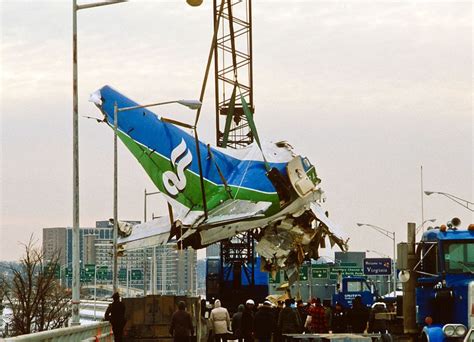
x=94 y=332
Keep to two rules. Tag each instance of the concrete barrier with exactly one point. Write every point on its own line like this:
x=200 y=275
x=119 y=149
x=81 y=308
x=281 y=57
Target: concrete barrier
x=96 y=332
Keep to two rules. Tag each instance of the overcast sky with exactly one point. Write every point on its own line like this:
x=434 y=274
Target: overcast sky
x=368 y=90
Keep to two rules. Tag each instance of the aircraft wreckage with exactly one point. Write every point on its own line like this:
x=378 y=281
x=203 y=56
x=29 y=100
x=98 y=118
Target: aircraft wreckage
x=217 y=193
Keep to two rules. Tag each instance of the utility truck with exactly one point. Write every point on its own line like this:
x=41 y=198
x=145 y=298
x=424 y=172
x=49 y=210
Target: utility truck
x=351 y=287
x=442 y=278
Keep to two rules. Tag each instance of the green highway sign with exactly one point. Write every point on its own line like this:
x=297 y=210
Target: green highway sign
x=122 y=274
x=319 y=273
x=348 y=264
x=324 y=272
x=346 y=271
x=136 y=275
x=304 y=273
x=49 y=268
x=102 y=273
x=88 y=272
x=276 y=280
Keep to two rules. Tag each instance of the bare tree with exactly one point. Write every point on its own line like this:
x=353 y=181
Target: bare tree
x=37 y=300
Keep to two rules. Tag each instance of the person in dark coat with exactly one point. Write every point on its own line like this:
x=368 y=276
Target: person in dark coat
x=358 y=316
x=276 y=312
x=237 y=323
x=289 y=321
x=264 y=323
x=339 y=319
x=247 y=321
x=301 y=310
x=115 y=314
x=181 y=327
x=328 y=313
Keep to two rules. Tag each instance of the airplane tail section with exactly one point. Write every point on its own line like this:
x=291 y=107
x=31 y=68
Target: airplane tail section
x=167 y=153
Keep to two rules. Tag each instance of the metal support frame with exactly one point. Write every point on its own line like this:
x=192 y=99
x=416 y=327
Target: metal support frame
x=233 y=70
x=233 y=75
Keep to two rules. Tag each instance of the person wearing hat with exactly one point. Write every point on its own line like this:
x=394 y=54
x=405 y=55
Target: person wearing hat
x=264 y=323
x=220 y=321
x=247 y=321
x=181 y=327
x=115 y=314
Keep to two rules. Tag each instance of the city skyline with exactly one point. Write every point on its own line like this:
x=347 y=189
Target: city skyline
x=170 y=274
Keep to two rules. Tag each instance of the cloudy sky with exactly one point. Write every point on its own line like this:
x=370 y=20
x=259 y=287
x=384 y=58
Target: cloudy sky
x=368 y=90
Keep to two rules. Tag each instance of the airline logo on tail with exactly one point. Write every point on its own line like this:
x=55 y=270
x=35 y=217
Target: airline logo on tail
x=176 y=182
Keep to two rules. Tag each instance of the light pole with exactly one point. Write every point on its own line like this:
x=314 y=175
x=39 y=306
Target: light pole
x=95 y=291
x=146 y=194
x=128 y=276
x=145 y=262
x=191 y=104
x=75 y=151
x=421 y=226
x=465 y=203
x=390 y=235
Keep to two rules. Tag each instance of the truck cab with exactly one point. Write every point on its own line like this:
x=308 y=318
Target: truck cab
x=445 y=284
x=352 y=287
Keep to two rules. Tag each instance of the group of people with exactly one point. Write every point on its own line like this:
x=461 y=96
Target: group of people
x=268 y=322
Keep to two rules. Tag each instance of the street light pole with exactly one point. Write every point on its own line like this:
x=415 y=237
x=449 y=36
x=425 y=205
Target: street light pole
x=465 y=203
x=75 y=177
x=421 y=226
x=390 y=235
x=145 y=262
x=144 y=202
x=75 y=157
x=128 y=276
x=115 y=262
x=95 y=291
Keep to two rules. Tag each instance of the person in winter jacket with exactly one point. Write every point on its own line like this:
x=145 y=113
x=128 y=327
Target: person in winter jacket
x=318 y=323
x=115 y=314
x=301 y=310
x=276 y=311
x=289 y=321
x=247 y=321
x=339 y=319
x=220 y=321
x=237 y=323
x=264 y=323
x=181 y=324
x=358 y=316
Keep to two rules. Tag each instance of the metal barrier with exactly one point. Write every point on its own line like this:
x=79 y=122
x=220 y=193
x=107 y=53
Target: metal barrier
x=94 y=332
